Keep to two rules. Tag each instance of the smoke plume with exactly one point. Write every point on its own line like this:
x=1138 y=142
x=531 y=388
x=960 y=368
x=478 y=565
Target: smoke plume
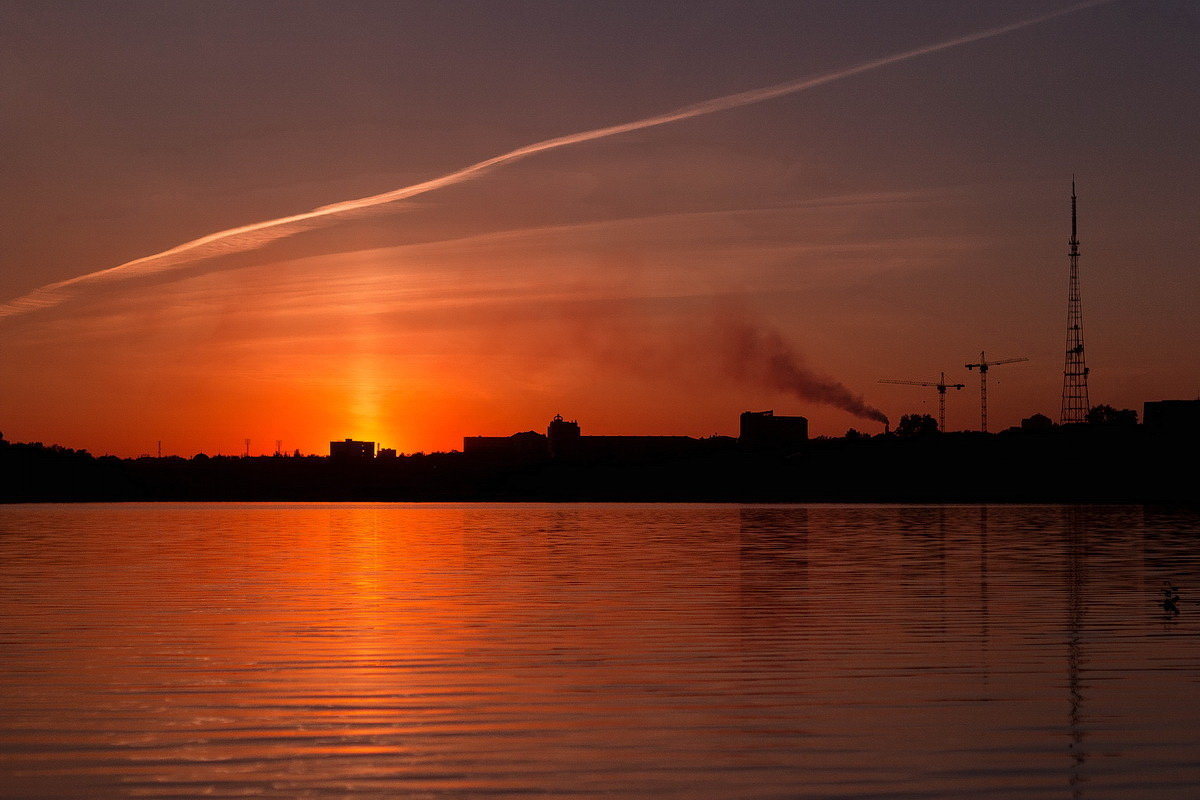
x=257 y=234
x=761 y=355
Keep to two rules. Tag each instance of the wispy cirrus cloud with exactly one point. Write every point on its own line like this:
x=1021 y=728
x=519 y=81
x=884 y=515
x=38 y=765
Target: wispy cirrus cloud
x=255 y=235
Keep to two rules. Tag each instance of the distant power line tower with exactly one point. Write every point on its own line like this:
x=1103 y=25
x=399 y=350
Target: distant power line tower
x=1075 y=390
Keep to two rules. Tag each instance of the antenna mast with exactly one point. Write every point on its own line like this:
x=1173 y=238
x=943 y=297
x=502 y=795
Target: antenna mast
x=1075 y=390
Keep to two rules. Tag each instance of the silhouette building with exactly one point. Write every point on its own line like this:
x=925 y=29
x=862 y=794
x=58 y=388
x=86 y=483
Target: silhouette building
x=564 y=440
x=762 y=430
x=1179 y=417
x=350 y=450
x=524 y=446
x=563 y=436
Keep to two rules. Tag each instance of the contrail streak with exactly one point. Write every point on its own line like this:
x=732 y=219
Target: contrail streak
x=257 y=234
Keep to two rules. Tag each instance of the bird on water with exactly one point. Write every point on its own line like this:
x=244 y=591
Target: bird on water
x=1170 y=599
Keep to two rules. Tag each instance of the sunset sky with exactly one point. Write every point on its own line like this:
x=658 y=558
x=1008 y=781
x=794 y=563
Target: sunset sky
x=890 y=223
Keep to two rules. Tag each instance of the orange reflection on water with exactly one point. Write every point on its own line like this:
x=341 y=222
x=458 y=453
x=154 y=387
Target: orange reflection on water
x=676 y=651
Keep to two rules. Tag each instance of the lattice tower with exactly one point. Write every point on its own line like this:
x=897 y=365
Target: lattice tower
x=1075 y=374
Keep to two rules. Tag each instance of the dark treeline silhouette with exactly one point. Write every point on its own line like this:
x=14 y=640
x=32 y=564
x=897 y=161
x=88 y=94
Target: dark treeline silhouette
x=1110 y=461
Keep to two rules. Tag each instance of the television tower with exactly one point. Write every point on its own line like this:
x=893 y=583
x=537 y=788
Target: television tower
x=1075 y=391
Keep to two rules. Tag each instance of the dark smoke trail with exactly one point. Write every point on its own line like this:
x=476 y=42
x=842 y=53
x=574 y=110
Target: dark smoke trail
x=763 y=356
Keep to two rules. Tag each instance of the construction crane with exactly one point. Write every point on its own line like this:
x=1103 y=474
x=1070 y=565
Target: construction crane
x=941 y=387
x=983 y=366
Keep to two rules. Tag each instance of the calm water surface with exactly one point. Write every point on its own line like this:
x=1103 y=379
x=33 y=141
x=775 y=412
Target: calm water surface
x=296 y=650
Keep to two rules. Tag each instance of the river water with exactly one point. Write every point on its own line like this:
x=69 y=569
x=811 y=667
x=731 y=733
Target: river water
x=666 y=651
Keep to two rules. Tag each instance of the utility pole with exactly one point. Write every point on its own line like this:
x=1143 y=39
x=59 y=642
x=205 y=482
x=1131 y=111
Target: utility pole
x=1075 y=402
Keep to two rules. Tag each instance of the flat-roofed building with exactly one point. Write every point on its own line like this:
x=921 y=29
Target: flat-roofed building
x=1181 y=417
x=351 y=450
x=564 y=441
x=763 y=430
x=527 y=445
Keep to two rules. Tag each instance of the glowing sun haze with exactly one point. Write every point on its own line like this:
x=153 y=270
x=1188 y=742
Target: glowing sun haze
x=889 y=219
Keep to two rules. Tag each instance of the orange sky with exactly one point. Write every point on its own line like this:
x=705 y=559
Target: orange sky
x=889 y=226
